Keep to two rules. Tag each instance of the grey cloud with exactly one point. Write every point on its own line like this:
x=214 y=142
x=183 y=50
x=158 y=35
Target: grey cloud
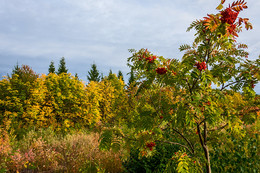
x=103 y=31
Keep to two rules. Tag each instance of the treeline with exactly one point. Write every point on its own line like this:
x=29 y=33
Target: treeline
x=58 y=100
x=92 y=75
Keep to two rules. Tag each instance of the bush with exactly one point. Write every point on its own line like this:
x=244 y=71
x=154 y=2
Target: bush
x=43 y=150
x=156 y=163
x=240 y=156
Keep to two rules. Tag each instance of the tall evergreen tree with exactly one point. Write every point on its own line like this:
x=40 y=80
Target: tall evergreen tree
x=131 y=78
x=120 y=75
x=93 y=74
x=62 y=66
x=110 y=75
x=51 y=68
x=15 y=70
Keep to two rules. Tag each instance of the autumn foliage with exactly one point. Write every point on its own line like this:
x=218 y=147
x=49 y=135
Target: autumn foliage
x=195 y=114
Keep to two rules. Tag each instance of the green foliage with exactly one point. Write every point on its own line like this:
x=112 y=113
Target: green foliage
x=62 y=66
x=155 y=163
x=239 y=153
x=120 y=75
x=51 y=68
x=173 y=100
x=93 y=74
x=131 y=79
x=111 y=75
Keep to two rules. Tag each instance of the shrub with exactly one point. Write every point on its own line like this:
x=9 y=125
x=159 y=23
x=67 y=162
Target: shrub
x=43 y=150
x=154 y=163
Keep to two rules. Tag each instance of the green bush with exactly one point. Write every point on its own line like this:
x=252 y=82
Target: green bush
x=241 y=155
x=156 y=163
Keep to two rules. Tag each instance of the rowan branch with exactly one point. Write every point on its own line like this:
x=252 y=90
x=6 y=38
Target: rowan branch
x=200 y=137
x=219 y=128
x=237 y=81
x=189 y=143
x=175 y=143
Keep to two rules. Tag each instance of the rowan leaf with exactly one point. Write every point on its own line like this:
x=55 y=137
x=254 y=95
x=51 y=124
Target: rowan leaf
x=220 y=7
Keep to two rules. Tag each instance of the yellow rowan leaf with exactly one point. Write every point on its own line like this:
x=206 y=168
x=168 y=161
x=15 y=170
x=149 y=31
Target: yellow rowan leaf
x=220 y=7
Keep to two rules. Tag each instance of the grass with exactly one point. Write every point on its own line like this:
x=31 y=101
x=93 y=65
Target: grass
x=45 y=151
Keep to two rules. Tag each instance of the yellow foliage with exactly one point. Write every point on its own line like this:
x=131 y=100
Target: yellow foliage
x=60 y=101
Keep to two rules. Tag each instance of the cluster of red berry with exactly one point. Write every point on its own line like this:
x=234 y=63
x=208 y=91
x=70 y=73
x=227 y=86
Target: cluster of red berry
x=150 y=59
x=228 y=16
x=201 y=66
x=150 y=145
x=252 y=84
x=161 y=70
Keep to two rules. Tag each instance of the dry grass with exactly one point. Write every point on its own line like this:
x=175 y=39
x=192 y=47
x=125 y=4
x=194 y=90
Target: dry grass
x=43 y=151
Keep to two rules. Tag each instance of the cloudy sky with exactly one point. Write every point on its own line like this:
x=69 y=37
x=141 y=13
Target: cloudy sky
x=101 y=31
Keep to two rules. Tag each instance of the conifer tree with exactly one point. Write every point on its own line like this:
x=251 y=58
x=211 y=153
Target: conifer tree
x=14 y=71
x=93 y=74
x=120 y=75
x=51 y=68
x=62 y=66
x=131 y=78
x=110 y=75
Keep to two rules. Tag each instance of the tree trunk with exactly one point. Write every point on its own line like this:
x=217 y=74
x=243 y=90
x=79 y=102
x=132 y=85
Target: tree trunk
x=206 y=152
x=205 y=147
x=203 y=142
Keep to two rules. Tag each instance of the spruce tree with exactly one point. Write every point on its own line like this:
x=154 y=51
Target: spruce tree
x=110 y=75
x=51 y=68
x=131 y=78
x=62 y=66
x=120 y=75
x=16 y=69
x=93 y=74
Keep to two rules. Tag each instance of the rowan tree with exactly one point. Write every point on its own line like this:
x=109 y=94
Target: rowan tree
x=176 y=100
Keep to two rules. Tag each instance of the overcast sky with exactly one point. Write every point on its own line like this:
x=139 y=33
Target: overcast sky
x=35 y=32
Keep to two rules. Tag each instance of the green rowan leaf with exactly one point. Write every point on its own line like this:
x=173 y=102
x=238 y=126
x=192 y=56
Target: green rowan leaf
x=184 y=47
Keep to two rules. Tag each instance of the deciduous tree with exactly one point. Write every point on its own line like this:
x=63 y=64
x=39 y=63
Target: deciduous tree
x=176 y=102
